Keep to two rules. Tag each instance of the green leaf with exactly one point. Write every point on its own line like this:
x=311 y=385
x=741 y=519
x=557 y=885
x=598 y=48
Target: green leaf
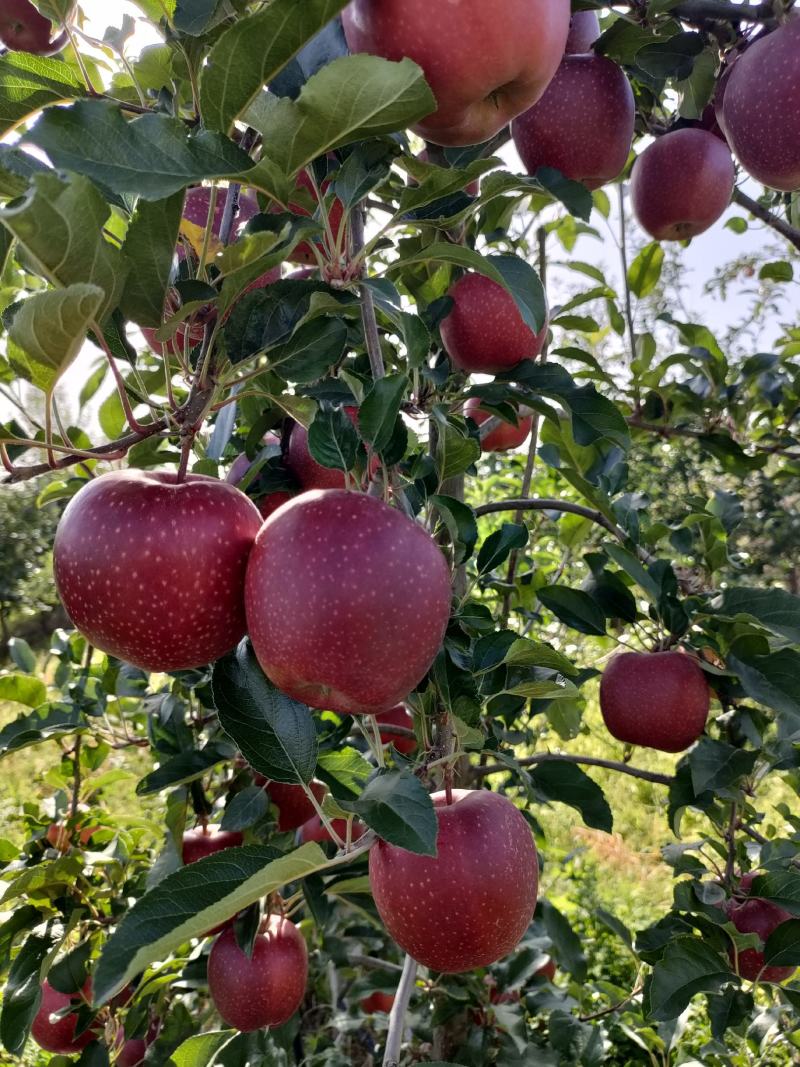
x=183 y=768
x=111 y=416
x=29 y=83
x=526 y=653
x=245 y=809
x=499 y=545
x=201 y=1050
x=561 y=781
x=772 y=680
x=332 y=438
x=60 y=223
x=191 y=901
x=397 y=807
x=194 y=17
x=575 y=197
x=22 y=994
x=274 y=733
x=455 y=450
x=49 y=330
x=779 y=271
x=253 y=51
x=567 y=943
x=150 y=249
x=775 y=609
x=17 y=169
x=632 y=567
x=716 y=765
x=645 y=271
x=61 y=872
x=782 y=948
x=378 y=413
x=152 y=156
x=461 y=524
x=781 y=887
x=22 y=689
x=689 y=966
x=345 y=771
x=671 y=58
x=313 y=349
x=575 y=608
x=22 y=654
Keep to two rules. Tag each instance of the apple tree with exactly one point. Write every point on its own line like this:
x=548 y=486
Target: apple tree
x=372 y=489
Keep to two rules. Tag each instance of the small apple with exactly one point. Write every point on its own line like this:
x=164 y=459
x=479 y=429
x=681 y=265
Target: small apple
x=681 y=184
x=58 y=837
x=347 y=601
x=315 y=830
x=656 y=699
x=759 y=113
x=377 y=1002
x=24 y=29
x=309 y=473
x=151 y=570
x=205 y=841
x=746 y=882
x=484 y=333
x=485 y=62
x=294 y=807
x=583 y=125
x=757 y=916
x=132 y=1053
x=584 y=29
x=502 y=438
x=547 y=971
x=470 y=905
x=399 y=716
x=304 y=252
x=58 y=1034
x=265 y=989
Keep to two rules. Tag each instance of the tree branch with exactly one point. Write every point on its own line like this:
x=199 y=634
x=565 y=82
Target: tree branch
x=763 y=214
x=698 y=435
x=719 y=11
x=588 y=761
x=371 y=335
x=397 y=1016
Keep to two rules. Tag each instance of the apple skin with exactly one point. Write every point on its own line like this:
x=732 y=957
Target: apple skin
x=294 y=807
x=505 y=436
x=547 y=971
x=760 y=113
x=681 y=184
x=485 y=60
x=484 y=332
x=304 y=253
x=152 y=571
x=757 y=916
x=195 y=217
x=268 y=988
x=309 y=473
x=315 y=830
x=584 y=29
x=470 y=905
x=655 y=699
x=377 y=1002
x=583 y=125
x=24 y=29
x=399 y=716
x=58 y=1035
x=199 y=843
x=347 y=601
x=132 y=1053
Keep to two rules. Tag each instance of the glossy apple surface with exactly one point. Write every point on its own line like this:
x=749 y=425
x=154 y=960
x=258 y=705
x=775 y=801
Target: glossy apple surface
x=583 y=125
x=654 y=699
x=266 y=989
x=760 y=110
x=24 y=29
x=199 y=843
x=485 y=60
x=58 y=1034
x=469 y=906
x=584 y=29
x=504 y=436
x=757 y=916
x=347 y=601
x=294 y=807
x=152 y=571
x=484 y=332
x=399 y=716
x=681 y=184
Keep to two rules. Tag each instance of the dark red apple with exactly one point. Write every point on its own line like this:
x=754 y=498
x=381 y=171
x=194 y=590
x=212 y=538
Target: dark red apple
x=152 y=570
x=199 y=843
x=399 y=716
x=503 y=437
x=485 y=62
x=58 y=1034
x=583 y=125
x=584 y=29
x=58 y=837
x=760 y=110
x=315 y=830
x=196 y=207
x=294 y=807
x=746 y=882
x=547 y=970
x=469 y=906
x=484 y=332
x=266 y=989
x=377 y=1002
x=347 y=601
x=757 y=916
x=681 y=184
x=655 y=699
x=132 y=1053
x=304 y=253
x=309 y=473
x=24 y=29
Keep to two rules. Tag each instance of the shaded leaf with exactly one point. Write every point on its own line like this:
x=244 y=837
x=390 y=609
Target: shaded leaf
x=397 y=807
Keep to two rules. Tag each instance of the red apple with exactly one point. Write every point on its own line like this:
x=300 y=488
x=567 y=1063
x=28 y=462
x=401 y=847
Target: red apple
x=681 y=184
x=485 y=61
x=547 y=970
x=757 y=916
x=484 y=332
x=469 y=906
x=399 y=716
x=315 y=830
x=583 y=125
x=377 y=1002
x=294 y=807
x=199 y=843
x=760 y=110
x=58 y=1034
x=266 y=989
x=132 y=1053
x=502 y=438
x=24 y=29
x=196 y=207
x=347 y=601
x=309 y=473
x=746 y=882
x=152 y=570
x=58 y=837
x=584 y=29
x=655 y=699
x=304 y=253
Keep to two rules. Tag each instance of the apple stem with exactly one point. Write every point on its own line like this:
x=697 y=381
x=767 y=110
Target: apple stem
x=376 y=733
x=186 y=451
x=397 y=1016
x=326 y=822
x=5 y=458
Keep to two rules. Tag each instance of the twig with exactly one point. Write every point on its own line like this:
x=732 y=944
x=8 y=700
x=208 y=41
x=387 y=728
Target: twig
x=373 y=963
x=758 y=211
x=397 y=1016
x=371 y=335
x=730 y=837
x=589 y=761
x=720 y=11
x=663 y=430
x=623 y=255
x=614 y=1007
